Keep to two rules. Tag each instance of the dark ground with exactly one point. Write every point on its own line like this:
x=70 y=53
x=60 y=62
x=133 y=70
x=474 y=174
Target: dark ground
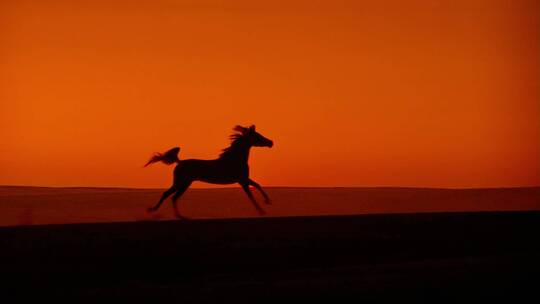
x=426 y=257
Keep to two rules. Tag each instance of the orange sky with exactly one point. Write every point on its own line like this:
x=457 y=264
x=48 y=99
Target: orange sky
x=354 y=93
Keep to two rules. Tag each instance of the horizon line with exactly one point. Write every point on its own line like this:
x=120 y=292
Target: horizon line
x=291 y=187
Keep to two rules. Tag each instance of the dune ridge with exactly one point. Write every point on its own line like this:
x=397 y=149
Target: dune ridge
x=25 y=205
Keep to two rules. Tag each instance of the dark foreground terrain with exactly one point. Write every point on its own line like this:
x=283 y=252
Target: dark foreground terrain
x=430 y=257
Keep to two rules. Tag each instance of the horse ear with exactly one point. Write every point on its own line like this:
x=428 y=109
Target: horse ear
x=252 y=128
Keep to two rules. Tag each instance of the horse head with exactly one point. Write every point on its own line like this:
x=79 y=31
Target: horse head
x=253 y=138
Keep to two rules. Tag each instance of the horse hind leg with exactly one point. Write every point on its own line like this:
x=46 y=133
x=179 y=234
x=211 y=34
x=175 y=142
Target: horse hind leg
x=164 y=196
x=179 y=191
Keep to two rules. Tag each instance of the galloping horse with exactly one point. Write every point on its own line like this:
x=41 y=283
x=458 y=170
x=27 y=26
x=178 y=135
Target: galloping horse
x=231 y=167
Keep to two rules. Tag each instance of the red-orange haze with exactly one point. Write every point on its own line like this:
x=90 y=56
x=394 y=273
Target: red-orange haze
x=354 y=93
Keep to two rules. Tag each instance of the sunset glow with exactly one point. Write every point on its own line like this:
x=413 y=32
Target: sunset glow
x=353 y=93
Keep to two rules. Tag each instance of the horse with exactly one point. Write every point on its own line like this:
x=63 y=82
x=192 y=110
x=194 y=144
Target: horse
x=230 y=167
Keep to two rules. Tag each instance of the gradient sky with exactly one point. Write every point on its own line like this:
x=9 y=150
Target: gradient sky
x=354 y=93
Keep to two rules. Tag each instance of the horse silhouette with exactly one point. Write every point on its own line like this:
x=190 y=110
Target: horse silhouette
x=231 y=167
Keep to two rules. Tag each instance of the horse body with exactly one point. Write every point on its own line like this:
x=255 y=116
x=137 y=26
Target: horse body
x=231 y=167
x=215 y=171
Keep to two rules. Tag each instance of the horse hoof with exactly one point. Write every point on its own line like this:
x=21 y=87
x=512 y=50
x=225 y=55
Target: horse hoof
x=181 y=217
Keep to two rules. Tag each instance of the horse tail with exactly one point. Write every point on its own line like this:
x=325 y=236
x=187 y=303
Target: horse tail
x=170 y=157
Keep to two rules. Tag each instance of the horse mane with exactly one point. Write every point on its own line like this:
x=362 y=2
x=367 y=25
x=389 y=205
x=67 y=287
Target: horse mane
x=236 y=138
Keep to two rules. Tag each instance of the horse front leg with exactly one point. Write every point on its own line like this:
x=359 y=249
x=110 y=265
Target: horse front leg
x=245 y=186
x=256 y=185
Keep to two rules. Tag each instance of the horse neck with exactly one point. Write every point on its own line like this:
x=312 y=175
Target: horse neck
x=238 y=153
